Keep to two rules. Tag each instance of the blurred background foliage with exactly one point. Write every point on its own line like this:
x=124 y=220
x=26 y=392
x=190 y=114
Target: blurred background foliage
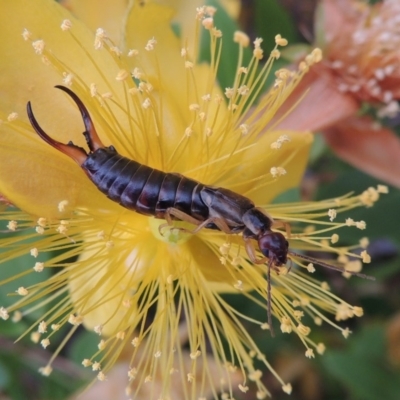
x=366 y=366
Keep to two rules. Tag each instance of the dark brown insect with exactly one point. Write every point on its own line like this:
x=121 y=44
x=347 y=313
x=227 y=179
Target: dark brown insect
x=169 y=196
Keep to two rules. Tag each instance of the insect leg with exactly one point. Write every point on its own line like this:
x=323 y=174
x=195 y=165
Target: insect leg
x=251 y=252
x=182 y=216
x=285 y=225
x=219 y=222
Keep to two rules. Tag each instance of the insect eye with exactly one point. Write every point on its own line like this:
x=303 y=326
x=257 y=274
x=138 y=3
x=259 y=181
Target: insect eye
x=265 y=252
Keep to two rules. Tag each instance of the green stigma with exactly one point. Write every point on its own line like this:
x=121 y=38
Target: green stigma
x=176 y=234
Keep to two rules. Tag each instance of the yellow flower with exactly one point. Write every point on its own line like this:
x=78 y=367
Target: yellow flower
x=111 y=269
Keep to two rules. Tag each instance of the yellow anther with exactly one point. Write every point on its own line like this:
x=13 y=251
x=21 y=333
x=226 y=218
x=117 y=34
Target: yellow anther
x=66 y=25
x=280 y=41
x=241 y=38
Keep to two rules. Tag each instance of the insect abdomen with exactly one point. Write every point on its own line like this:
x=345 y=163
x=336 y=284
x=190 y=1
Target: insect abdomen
x=143 y=189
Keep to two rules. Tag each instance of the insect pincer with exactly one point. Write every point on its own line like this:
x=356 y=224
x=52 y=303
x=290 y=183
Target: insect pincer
x=75 y=152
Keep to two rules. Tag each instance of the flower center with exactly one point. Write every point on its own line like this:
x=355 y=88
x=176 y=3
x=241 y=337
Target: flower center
x=178 y=233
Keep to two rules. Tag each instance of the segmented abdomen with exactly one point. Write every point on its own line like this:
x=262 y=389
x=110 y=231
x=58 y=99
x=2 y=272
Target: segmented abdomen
x=141 y=188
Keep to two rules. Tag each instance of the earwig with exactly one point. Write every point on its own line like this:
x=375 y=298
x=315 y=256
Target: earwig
x=169 y=196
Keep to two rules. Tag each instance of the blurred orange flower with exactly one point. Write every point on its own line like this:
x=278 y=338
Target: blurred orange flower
x=361 y=48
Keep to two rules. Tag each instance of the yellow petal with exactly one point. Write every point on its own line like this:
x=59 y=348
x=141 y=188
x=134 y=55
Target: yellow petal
x=98 y=285
x=24 y=77
x=185 y=13
x=208 y=262
x=36 y=177
x=32 y=175
x=109 y=281
x=163 y=67
x=107 y=15
x=251 y=175
x=152 y=21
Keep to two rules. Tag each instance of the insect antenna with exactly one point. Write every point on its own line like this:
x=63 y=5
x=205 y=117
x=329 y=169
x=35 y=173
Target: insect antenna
x=269 y=311
x=330 y=266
